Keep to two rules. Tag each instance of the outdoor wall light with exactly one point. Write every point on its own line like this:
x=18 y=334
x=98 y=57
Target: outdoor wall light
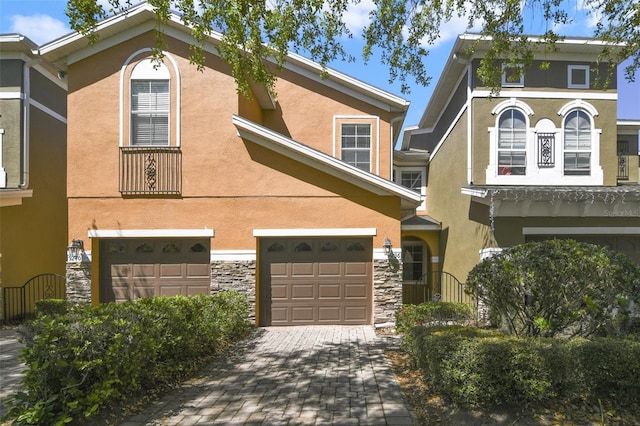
x=74 y=251
x=388 y=248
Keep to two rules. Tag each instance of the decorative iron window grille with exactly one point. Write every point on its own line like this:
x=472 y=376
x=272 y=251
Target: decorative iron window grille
x=623 y=160
x=146 y=170
x=546 y=149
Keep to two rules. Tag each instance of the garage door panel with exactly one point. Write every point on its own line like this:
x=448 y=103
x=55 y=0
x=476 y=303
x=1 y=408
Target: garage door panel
x=302 y=314
x=329 y=291
x=144 y=271
x=279 y=270
x=140 y=291
x=329 y=269
x=169 y=290
x=171 y=271
x=198 y=270
x=302 y=291
x=302 y=269
x=356 y=269
x=146 y=267
x=355 y=314
x=279 y=291
x=329 y=314
x=279 y=315
x=330 y=282
x=355 y=291
x=193 y=290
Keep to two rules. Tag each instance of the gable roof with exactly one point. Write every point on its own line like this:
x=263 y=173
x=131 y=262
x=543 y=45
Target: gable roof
x=578 y=48
x=141 y=18
x=323 y=162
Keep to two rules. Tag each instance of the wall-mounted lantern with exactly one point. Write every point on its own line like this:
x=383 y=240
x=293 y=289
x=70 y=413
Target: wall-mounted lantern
x=388 y=248
x=74 y=251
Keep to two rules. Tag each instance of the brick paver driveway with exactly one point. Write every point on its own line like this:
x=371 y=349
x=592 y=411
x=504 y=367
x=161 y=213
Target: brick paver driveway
x=291 y=375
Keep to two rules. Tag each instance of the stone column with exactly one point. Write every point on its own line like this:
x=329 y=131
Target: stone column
x=78 y=273
x=387 y=289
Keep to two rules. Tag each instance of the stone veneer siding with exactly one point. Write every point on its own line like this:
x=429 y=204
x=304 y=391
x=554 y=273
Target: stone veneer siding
x=237 y=275
x=79 y=281
x=241 y=277
x=387 y=289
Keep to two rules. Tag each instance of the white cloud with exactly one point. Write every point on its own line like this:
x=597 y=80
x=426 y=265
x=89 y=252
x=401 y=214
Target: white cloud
x=39 y=28
x=357 y=16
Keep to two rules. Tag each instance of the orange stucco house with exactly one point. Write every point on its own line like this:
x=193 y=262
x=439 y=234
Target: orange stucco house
x=178 y=185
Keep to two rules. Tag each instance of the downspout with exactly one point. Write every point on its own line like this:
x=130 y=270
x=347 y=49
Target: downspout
x=24 y=182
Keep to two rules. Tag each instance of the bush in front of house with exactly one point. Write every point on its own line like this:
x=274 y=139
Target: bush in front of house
x=559 y=287
x=432 y=313
x=475 y=367
x=82 y=358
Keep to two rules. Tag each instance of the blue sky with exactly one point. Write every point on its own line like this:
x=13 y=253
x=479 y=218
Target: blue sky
x=44 y=20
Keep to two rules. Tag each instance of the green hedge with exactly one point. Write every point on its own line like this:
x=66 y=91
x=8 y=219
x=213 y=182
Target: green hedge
x=476 y=367
x=83 y=358
x=432 y=313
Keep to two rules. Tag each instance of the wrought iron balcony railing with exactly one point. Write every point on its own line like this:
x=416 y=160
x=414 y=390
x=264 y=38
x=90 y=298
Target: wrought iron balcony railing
x=150 y=170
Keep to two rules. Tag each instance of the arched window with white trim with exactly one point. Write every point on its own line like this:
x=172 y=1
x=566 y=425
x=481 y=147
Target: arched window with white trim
x=577 y=142
x=150 y=104
x=512 y=143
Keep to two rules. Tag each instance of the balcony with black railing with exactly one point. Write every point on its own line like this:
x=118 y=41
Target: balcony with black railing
x=150 y=170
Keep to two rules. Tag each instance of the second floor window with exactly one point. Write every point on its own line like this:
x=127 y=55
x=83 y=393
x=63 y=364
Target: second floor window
x=577 y=143
x=356 y=145
x=512 y=143
x=149 y=112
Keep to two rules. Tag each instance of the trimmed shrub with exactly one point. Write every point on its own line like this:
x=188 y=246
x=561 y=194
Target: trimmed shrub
x=432 y=313
x=559 y=287
x=475 y=367
x=84 y=358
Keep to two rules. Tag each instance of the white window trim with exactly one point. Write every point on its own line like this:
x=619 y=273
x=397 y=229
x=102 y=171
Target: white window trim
x=506 y=83
x=124 y=84
x=150 y=233
x=316 y=232
x=423 y=183
x=353 y=119
x=596 y=175
x=587 y=76
x=491 y=173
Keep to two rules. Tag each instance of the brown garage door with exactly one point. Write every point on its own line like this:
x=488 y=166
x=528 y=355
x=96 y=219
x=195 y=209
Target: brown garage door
x=135 y=268
x=316 y=281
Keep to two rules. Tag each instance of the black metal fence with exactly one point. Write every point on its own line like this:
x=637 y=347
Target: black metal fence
x=150 y=170
x=19 y=302
x=436 y=286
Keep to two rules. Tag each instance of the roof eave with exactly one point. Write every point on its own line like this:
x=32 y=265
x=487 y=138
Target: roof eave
x=323 y=162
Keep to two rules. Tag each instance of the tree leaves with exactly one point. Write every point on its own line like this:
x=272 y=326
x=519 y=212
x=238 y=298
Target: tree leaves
x=260 y=33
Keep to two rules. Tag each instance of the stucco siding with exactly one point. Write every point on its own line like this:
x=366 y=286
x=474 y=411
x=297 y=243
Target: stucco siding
x=459 y=237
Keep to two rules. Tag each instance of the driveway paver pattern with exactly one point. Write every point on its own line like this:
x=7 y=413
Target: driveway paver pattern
x=301 y=375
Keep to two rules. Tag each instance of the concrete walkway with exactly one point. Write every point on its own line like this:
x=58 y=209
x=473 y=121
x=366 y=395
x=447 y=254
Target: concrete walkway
x=331 y=375
x=10 y=365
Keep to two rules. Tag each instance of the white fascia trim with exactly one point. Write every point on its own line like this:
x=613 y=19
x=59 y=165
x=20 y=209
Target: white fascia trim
x=379 y=254
x=450 y=129
x=48 y=111
x=433 y=227
x=11 y=95
x=321 y=161
x=233 y=255
x=316 y=232
x=595 y=95
x=13 y=197
x=582 y=230
x=480 y=193
x=150 y=233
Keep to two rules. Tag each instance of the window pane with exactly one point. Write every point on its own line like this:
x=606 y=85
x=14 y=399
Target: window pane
x=512 y=163
x=356 y=145
x=412 y=180
x=577 y=131
x=577 y=163
x=150 y=112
